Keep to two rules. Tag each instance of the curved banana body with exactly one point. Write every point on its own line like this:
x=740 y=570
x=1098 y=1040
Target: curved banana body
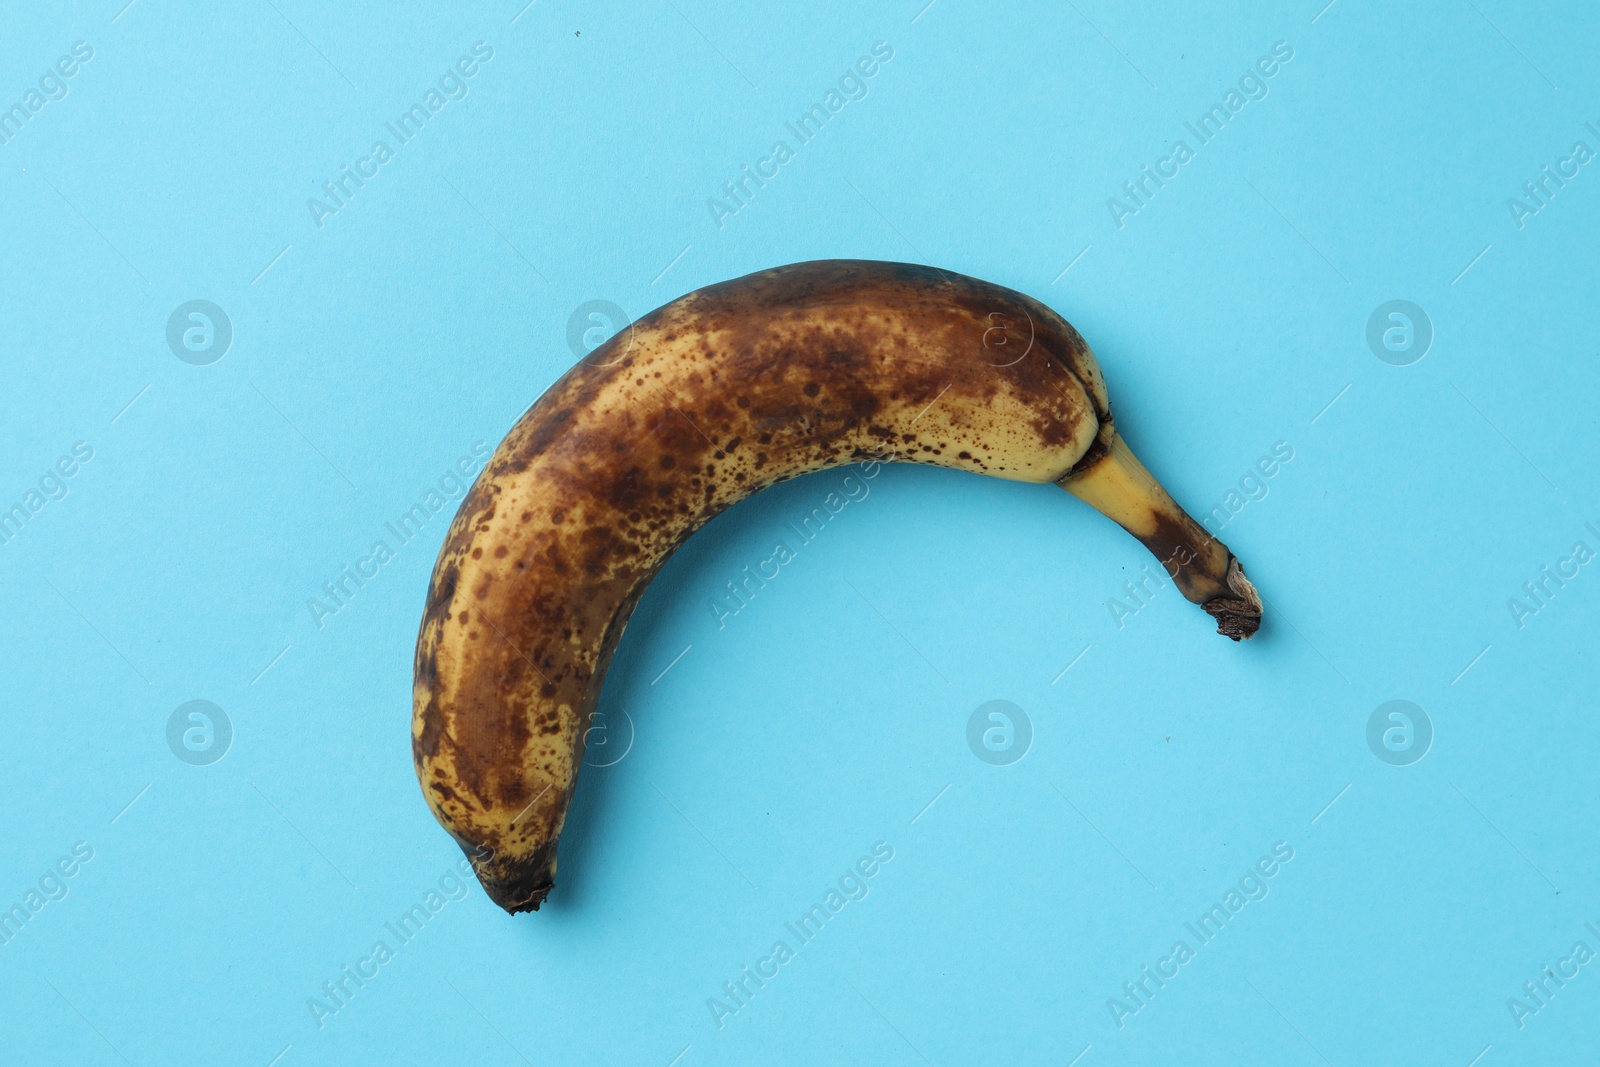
x=701 y=403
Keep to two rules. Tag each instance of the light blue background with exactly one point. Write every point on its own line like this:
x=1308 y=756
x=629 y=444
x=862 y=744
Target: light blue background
x=427 y=314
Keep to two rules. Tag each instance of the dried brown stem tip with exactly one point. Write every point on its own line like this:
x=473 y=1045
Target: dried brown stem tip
x=1238 y=616
x=1117 y=485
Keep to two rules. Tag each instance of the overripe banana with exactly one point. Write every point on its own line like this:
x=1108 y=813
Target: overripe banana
x=698 y=405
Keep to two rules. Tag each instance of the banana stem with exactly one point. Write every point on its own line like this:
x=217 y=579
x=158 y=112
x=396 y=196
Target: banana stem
x=1118 y=486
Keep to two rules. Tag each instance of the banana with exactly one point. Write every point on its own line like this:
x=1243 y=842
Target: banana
x=699 y=404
